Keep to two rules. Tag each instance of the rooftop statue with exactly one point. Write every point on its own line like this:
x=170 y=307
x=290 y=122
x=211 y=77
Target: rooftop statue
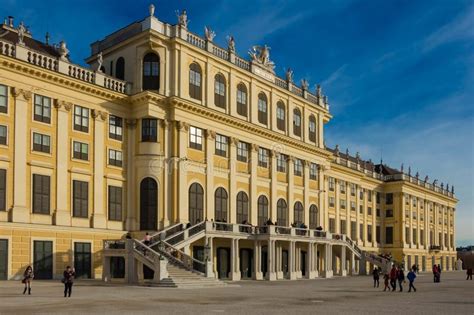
x=182 y=19
x=151 y=10
x=289 y=75
x=100 y=61
x=209 y=34
x=231 y=44
x=261 y=55
x=21 y=33
x=304 y=84
x=401 y=168
x=426 y=178
x=63 y=51
x=337 y=150
x=318 y=90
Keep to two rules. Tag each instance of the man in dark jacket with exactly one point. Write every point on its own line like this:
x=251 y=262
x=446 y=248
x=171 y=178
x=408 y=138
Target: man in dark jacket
x=401 y=278
x=393 y=278
x=376 y=275
x=68 y=279
x=411 y=278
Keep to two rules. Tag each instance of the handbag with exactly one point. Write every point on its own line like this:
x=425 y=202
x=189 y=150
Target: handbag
x=63 y=280
x=23 y=280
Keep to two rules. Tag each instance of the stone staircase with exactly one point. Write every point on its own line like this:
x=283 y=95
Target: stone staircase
x=182 y=278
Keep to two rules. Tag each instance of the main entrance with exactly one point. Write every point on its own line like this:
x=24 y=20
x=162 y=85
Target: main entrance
x=82 y=260
x=246 y=263
x=148 y=204
x=43 y=259
x=3 y=259
x=303 y=263
x=223 y=262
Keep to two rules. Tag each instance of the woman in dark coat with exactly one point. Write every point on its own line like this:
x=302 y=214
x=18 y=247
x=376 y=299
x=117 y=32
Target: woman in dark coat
x=68 y=280
x=27 y=278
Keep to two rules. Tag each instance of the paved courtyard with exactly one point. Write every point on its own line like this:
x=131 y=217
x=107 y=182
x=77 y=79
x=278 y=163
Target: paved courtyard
x=352 y=295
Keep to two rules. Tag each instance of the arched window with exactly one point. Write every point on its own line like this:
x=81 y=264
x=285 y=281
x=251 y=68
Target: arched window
x=242 y=207
x=220 y=202
x=313 y=217
x=281 y=121
x=195 y=75
x=148 y=204
x=312 y=128
x=262 y=108
x=120 y=68
x=151 y=72
x=196 y=203
x=282 y=213
x=297 y=122
x=242 y=100
x=219 y=91
x=262 y=210
x=298 y=213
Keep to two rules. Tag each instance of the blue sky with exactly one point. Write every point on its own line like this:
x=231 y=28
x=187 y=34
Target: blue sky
x=399 y=74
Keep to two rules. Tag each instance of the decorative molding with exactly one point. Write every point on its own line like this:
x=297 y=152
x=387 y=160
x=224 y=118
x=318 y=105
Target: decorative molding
x=99 y=115
x=22 y=94
x=255 y=147
x=165 y=123
x=62 y=105
x=210 y=134
x=233 y=140
x=182 y=126
x=131 y=123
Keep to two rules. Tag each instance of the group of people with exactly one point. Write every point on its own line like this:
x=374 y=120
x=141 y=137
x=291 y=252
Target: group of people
x=395 y=275
x=68 y=279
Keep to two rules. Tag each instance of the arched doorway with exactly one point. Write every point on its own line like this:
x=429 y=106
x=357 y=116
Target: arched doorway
x=151 y=72
x=196 y=203
x=148 y=204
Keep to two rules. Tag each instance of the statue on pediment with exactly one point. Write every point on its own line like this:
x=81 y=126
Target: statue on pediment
x=426 y=178
x=304 y=84
x=336 y=150
x=21 y=33
x=231 y=44
x=209 y=34
x=261 y=55
x=63 y=51
x=100 y=61
x=289 y=75
x=182 y=19
x=318 y=91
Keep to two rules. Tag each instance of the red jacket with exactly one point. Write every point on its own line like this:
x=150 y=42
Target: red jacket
x=393 y=274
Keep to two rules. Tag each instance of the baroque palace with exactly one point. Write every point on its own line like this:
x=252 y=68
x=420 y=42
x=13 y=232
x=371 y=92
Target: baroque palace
x=222 y=162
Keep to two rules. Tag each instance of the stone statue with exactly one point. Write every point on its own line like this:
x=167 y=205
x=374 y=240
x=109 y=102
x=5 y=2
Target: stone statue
x=435 y=182
x=100 y=61
x=337 y=150
x=326 y=100
x=347 y=152
x=182 y=19
x=401 y=168
x=261 y=55
x=409 y=171
x=318 y=90
x=289 y=75
x=442 y=186
x=231 y=44
x=21 y=34
x=304 y=84
x=417 y=175
x=447 y=186
x=209 y=34
x=426 y=178
x=63 y=51
x=452 y=189
x=151 y=9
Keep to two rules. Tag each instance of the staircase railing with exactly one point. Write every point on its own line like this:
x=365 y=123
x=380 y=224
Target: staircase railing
x=180 y=258
x=146 y=252
x=165 y=233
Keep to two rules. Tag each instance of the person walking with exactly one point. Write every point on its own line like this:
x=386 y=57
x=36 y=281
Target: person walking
x=411 y=278
x=385 y=282
x=376 y=275
x=469 y=273
x=401 y=278
x=68 y=280
x=435 y=273
x=393 y=278
x=27 y=278
x=439 y=273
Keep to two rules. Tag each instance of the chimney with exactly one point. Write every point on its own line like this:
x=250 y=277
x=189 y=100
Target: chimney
x=10 y=21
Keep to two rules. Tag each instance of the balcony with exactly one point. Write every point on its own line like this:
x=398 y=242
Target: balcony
x=435 y=248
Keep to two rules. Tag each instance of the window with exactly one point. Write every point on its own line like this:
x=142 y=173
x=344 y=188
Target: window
x=242 y=207
x=331 y=183
x=3 y=99
x=361 y=194
x=377 y=233
x=120 y=69
x=115 y=158
x=414 y=215
x=220 y=201
x=431 y=238
x=221 y=145
x=353 y=189
x=41 y=143
x=369 y=233
x=151 y=72
x=331 y=202
x=195 y=138
x=369 y=195
x=343 y=203
x=313 y=217
x=361 y=232
x=115 y=127
x=262 y=108
x=342 y=186
x=80 y=196
x=81 y=118
x=353 y=230
x=262 y=210
x=242 y=100
x=242 y=151
x=281 y=163
x=282 y=211
x=195 y=81
x=3 y=190
x=332 y=225
x=115 y=203
x=377 y=197
x=389 y=213
x=361 y=209
x=81 y=151
x=219 y=91
x=414 y=201
x=196 y=203
x=414 y=236
x=42 y=109
x=353 y=206
x=343 y=226
x=41 y=194
x=389 y=199
x=298 y=213
x=298 y=167
x=280 y=114
x=262 y=157
x=369 y=210
x=3 y=135
x=312 y=128
x=149 y=130
x=407 y=235
x=378 y=212
x=297 y=122
x=422 y=237
x=407 y=199
x=313 y=171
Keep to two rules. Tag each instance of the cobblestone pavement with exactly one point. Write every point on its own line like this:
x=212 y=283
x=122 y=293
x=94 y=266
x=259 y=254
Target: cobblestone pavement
x=351 y=295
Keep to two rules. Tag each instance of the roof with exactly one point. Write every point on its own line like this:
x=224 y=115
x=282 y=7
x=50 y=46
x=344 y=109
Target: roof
x=12 y=36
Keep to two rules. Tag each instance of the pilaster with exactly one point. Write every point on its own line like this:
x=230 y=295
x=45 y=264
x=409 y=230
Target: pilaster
x=274 y=185
x=166 y=173
x=131 y=223
x=306 y=192
x=99 y=218
x=232 y=181
x=291 y=185
x=253 y=184
x=183 y=215
x=257 y=260
x=210 y=144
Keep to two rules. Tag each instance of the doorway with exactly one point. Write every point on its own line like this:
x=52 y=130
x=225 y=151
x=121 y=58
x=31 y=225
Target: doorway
x=3 y=259
x=303 y=263
x=83 y=260
x=284 y=262
x=246 y=263
x=43 y=259
x=223 y=262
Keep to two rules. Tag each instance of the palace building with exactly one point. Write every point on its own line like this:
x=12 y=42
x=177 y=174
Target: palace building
x=221 y=161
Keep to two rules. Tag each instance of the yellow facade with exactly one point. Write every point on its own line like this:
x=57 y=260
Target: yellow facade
x=182 y=148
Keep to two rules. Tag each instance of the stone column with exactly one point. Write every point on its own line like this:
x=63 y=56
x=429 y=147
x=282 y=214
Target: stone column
x=253 y=184
x=323 y=214
x=352 y=264
x=337 y=205
x=232 y=181
x=257 y=260
x=62 y=215
x=234 y=261
x=20 y=212
x=209 y=258
x=309 y=263
x=291 y=185
x=166 y=187
x=343 y=261
x=292 y=261
x=328 y=261
x=271 y=274
x=131 y=264
x=273 y=187
x=183 y=215
x=99 y=216
x=131 y=223
x=306 y=192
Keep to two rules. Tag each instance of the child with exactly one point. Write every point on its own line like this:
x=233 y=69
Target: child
x=411 y=277
x=385 y=282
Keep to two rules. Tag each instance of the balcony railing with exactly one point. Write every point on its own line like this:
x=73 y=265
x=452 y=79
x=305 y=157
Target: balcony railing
x=114 y=244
